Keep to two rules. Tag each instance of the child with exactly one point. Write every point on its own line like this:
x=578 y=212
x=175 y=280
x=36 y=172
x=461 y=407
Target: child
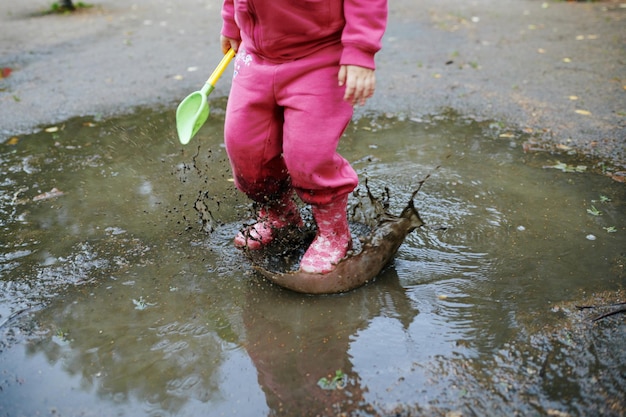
x=301 y=66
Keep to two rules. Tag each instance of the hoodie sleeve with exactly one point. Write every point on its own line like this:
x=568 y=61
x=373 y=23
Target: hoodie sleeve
x=229 y=26
x=362 y=35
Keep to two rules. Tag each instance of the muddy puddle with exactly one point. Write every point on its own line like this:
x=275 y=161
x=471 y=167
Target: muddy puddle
x=116 y=301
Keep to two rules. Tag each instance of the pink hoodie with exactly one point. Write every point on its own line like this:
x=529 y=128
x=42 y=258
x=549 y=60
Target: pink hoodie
x=284 y=30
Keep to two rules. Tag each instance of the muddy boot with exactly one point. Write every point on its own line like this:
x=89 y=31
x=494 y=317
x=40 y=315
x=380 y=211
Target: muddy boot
x=333 y=239
x=270 y=220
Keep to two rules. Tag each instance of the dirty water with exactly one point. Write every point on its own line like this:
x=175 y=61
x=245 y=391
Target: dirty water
x=115 y=299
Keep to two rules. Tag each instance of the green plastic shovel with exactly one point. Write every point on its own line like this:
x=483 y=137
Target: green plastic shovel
x=193 y=111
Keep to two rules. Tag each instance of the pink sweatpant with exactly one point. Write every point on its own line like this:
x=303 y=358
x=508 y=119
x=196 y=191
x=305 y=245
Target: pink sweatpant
x=283 y=124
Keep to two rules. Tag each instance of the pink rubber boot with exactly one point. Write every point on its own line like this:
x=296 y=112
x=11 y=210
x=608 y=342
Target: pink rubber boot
x=270 y=220
x=333 y=239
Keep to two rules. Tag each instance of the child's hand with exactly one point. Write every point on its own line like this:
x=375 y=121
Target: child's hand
x=360 y=83
x=228 y=43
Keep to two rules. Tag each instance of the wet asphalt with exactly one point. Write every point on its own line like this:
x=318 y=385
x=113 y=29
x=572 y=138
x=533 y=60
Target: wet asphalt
x=554 y=71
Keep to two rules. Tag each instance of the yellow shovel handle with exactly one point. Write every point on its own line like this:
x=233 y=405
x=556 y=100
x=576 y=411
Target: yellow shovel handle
x=217 y=72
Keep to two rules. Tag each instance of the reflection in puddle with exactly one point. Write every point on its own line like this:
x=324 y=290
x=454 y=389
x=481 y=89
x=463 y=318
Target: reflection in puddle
x=114 y=300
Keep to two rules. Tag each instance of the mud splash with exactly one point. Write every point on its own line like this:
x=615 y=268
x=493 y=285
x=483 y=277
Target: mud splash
x=361 y=266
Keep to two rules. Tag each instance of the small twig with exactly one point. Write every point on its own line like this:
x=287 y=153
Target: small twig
x=18 y=313
x=610 y=313
x=602 y=316
x=594 y=306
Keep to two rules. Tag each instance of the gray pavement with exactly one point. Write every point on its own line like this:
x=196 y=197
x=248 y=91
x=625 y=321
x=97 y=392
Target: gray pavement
x=556 y=69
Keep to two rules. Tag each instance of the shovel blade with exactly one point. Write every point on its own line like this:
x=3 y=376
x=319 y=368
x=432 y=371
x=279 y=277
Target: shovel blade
x=193 y=111
x=191 y=114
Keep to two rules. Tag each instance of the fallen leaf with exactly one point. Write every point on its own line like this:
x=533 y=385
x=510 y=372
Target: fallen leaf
x=532 y=147
x=567 y=60
x=52 y=129
x=594 y=211
x=53 y=193
x=567 y=168
x=583 y=112
x=178 y=77
x=619 y=176
x=557 y=413
x=507 y=135
x=573 y=98
x=541 y=51
x=5 y=72
x=13 y=141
